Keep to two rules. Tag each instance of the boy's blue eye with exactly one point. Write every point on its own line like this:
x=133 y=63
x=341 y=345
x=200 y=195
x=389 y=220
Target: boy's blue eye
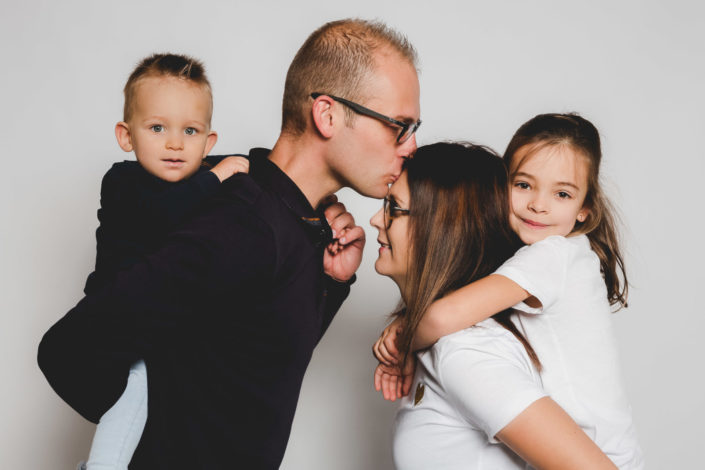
x=157 y=128
x=190 y=131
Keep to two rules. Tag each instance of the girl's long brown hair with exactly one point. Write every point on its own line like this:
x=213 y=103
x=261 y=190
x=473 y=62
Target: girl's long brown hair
x=458 y=227
x=582 y=136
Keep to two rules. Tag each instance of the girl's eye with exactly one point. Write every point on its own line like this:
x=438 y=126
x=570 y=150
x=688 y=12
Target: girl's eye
x=157 y=128
x=521 y=185
x=564 y=195
x=190 y=131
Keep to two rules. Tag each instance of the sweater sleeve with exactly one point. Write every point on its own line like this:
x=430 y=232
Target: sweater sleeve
x=133 y=214
x=212 y=258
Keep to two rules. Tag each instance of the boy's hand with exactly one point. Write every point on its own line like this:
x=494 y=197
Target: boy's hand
x=392 y=381
x=342 y=257
x=229 y=166
x=385 y=348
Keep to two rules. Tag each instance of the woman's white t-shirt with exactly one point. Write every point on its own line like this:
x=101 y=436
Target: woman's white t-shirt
x=467 y=387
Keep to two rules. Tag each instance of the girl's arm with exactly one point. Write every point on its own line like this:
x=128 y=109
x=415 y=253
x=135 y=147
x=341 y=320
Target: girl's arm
x=547 y=438
x=466 y=307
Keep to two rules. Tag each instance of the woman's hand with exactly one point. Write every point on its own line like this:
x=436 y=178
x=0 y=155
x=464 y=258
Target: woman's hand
x=394 y=382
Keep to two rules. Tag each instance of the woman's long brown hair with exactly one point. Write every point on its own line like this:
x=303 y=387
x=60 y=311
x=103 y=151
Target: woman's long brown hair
x=458 y=227
x=582 y=136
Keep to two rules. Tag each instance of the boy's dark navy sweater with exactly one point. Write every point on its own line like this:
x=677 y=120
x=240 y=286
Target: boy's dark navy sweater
x=137 y=210
x=225 y=313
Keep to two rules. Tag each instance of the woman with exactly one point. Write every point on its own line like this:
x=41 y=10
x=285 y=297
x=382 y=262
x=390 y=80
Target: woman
x=476 y=399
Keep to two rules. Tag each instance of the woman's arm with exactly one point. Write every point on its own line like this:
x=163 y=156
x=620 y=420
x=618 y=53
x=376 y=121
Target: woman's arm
x=547 y=438
x=467 y=306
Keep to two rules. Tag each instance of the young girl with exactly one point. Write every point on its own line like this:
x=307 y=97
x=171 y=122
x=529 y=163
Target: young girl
x=563 y=283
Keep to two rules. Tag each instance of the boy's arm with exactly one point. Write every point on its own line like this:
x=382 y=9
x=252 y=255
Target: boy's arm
x=466 y=307
x=546 y=437
x=168 y=208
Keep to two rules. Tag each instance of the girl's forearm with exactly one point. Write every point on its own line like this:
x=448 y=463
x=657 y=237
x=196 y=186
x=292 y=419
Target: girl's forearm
x=466 y=307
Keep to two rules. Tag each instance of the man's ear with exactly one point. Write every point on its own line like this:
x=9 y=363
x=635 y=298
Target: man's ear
x=323 y=117
x=210 y=142
x=122 y=134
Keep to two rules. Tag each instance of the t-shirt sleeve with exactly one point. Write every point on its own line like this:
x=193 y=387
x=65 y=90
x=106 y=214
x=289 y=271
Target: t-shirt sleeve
x=541 y=270
x=490 y=384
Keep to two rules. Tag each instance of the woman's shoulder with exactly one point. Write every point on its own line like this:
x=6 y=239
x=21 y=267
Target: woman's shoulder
x=487 y=339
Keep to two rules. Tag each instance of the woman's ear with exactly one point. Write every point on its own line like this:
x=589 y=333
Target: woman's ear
x=323 y=117
x=122 y=134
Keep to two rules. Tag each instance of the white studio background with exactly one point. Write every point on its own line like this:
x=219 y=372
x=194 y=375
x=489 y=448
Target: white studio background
x=633 y=67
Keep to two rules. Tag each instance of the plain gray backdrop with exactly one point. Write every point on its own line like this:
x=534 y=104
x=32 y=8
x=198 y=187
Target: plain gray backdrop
x=634 y=68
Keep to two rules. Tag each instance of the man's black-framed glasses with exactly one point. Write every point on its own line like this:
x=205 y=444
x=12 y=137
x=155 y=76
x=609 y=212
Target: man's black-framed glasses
x=392 y=211
x=406 y=129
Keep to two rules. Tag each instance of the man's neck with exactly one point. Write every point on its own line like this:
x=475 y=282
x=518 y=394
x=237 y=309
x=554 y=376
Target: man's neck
x=303 y=160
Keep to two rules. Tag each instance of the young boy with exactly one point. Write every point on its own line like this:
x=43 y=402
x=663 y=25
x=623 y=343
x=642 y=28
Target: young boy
x=167 y=115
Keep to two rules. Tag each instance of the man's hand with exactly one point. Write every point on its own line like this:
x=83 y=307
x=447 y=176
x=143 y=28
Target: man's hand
x=385 y=348
x=394 y=382
x=342 y=257
x=228 y=166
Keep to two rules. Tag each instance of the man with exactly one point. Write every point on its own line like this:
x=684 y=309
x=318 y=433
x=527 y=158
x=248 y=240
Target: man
x=227 y=313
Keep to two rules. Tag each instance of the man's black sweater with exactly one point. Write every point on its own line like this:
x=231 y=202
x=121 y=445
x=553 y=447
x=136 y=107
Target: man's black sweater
x=226 y=315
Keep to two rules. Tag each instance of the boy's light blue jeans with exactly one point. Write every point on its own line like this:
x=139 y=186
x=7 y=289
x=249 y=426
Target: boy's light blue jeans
x=120 y=428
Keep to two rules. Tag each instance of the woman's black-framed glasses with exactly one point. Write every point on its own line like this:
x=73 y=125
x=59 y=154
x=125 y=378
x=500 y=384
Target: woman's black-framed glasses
x=391 y=211
x=406 y=129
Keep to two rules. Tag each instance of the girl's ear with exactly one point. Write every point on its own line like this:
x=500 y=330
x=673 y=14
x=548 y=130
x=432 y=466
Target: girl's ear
x=583 y=214
x=122 y=134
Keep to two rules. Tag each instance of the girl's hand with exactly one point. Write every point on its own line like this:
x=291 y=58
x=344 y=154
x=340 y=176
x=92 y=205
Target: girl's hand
x=385 y=348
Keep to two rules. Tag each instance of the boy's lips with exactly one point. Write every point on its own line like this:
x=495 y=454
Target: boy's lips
x=173 y=162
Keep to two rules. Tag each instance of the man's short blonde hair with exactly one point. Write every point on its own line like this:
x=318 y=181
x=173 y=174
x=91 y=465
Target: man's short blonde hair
x=337 y=59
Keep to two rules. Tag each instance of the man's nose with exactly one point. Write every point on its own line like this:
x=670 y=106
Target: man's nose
x=408 y=148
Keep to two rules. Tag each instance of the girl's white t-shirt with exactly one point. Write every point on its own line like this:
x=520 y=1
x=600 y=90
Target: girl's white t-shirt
x=467 y=387
x=572 y=335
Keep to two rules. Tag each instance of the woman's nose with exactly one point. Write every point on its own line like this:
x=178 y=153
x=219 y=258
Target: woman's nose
x=377 y=220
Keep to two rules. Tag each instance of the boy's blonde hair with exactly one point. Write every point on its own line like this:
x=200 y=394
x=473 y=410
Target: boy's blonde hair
x=167 y=65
